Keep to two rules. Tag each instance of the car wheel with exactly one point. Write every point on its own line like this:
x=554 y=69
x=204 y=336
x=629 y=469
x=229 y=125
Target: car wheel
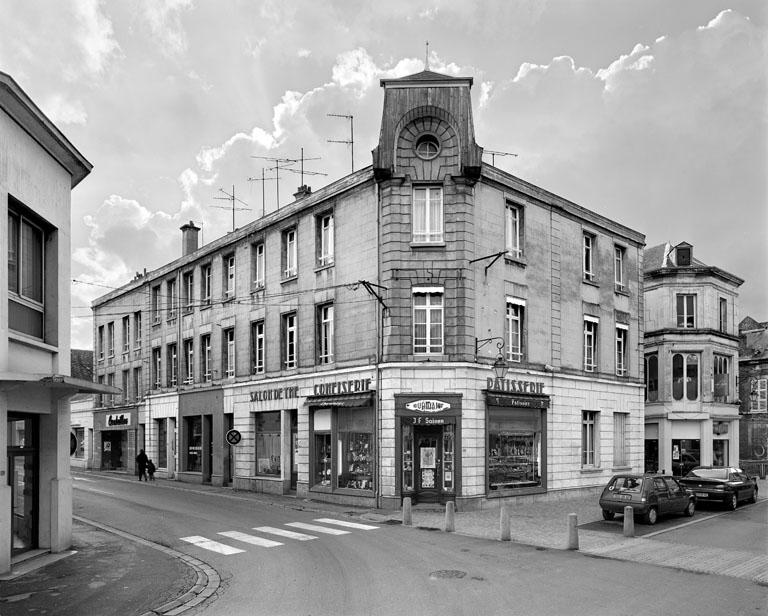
x=733 y=501
x=608 y=515
x=754 y=496
x=690 y=508
x=651 y=516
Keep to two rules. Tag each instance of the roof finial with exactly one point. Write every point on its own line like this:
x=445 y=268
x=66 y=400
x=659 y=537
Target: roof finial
x=426 y=58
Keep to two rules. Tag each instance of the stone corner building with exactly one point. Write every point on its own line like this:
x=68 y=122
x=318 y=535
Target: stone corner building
x=38 y=169
x=350 y=336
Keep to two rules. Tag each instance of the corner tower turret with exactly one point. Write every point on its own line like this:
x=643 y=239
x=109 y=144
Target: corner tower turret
x=426 y=129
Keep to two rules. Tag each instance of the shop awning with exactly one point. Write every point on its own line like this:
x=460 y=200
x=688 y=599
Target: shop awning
x=348 y=400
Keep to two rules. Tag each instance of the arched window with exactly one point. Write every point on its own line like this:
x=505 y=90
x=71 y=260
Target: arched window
x=652 y=378
x=427 y=147
x=685 y=376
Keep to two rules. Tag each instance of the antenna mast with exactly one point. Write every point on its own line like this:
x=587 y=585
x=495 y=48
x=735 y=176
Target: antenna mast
x=231 y=198
x=263 y=181
x=351 y=140
x=495 y=153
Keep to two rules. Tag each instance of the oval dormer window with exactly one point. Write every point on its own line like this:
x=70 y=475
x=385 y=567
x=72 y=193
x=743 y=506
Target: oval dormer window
x=427 y=147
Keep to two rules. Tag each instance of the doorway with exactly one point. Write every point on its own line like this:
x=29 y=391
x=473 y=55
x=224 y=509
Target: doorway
x=428 y=464
x=23 y=463
x=294 y=449
x=112 y=450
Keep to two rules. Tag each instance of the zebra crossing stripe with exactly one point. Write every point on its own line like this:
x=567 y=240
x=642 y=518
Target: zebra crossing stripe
x=214 y=546
x=280 y=532
x=346 y=524
x=245 y=538
x=318 y=529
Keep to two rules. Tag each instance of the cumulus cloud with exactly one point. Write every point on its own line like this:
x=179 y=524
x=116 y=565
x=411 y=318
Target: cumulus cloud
x=95 y=35
x=164 y=20
x=63 y=111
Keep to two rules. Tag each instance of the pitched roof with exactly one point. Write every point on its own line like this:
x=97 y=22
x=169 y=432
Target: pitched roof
x=427 y=76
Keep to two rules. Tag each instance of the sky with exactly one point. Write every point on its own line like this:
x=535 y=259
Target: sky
x=650 y=112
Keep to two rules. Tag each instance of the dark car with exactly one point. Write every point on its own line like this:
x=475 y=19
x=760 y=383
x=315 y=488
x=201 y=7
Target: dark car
x=649 y=496
x=721 y=484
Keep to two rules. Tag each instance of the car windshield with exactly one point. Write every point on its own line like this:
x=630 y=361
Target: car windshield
x=709 y=473
x=626 y=484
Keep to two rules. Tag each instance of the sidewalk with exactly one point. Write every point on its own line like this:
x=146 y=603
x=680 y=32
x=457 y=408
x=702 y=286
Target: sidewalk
x=109 y=569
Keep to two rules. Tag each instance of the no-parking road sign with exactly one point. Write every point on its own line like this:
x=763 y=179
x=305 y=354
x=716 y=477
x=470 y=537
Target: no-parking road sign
x=233 y=437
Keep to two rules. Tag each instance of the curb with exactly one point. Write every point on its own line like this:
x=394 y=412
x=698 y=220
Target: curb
x=206 y=585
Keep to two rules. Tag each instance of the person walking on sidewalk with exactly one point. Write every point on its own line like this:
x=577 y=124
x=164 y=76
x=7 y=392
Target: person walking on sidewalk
x=141 y=461
x=151 y=470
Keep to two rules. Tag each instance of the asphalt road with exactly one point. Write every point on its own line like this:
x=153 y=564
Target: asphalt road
x=389 y=569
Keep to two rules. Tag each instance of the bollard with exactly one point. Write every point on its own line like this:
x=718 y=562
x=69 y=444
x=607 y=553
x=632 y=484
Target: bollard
x=629 y=522
x=573 y=532
x=504 y=528
x=407 y=520
x=450 y=522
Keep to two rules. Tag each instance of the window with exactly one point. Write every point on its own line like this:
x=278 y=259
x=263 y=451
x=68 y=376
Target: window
x=258 y=264
x=589 y=432
x=683 y=256
x=622 y=331
x=618 y=267
x=205 y=358
x=427 y=214
x=173 y=365
x=157 y=368
x=514 y=329
x=111 y=339
x=80 y=437
x=589 y=256
x=257 y=347
x=137 y=388
x=126 y=334
x=155 y=305
x=427 y=147
x=325 y=240
x=289 y=253
x=723 y=315
x=189 y=362
x=722 y=377
x=125 y=383
x=268 y=434
x=685 y=376
x=26 y=272
x=652 y=377
x=289 y=340
x=760 y=403
x=686 y=310
x=229 y=276
x=99 y=397
x=100 y=342
x=205 y=284
x=229 y=353
x=514 y=448
x=348 y=464
x=590 y=343
x=111 y=383
x=194 y=430
x=325 y=334
x=162 y=442
x=427 y=320
x=137 y=331
x=514 y=230
x=172 y=299
x=188 y=291
x=620 y=444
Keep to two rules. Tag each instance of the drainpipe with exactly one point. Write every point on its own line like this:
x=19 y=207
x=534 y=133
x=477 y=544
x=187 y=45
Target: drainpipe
x=379 y=351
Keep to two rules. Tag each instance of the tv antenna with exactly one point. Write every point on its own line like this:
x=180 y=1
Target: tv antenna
x=263 y=179
x=232 y=199
x=495 y=153
x=351 y=140
x=286 y=164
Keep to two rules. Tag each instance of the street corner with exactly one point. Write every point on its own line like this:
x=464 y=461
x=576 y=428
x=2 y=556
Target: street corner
x=103 y=575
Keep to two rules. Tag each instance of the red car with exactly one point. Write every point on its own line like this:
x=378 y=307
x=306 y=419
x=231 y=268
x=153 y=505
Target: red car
x=721 y=484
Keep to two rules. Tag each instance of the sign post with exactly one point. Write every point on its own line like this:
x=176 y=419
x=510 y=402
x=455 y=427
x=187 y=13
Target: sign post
x=233 y=438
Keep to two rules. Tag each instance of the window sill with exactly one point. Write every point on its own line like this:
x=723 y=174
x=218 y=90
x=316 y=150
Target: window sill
x=257 y=289
x=590 y=470
x=320 y=267
x=623 y=291
x=426 y=357
x=170 y=320
x=205 y=306
x=512 y=260
x=293 y=278
x=227 y=299
x=621 y=469
x=156 y=323
x=591 y=283
x=427 y=245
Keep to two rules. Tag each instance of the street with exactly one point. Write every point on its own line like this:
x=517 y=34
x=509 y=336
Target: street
x=284 y=560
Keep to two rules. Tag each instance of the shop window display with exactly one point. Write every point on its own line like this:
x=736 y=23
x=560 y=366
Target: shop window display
x=514 y=450
x=355 y=442
x=407 y=458
x=267 y=431
x=194 y=444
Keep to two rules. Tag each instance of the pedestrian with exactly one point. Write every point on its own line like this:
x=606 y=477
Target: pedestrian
x=151 y=469
x=141 y=462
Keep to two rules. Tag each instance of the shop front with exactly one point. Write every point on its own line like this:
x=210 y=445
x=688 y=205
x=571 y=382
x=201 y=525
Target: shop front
x=115 y=439
x=204 y=455
x=23 y=477
x=516 y=426
x=428 y=437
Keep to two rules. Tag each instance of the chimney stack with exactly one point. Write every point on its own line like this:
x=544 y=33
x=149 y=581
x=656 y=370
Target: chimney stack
x=303 y=191
x=189 y=242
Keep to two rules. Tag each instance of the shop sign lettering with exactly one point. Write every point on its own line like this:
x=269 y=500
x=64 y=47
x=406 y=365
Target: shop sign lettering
x=428 y=421
x=118 y=420
x=515 y=387
x=342 y=387
x=280 y=393
x=428 y=406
